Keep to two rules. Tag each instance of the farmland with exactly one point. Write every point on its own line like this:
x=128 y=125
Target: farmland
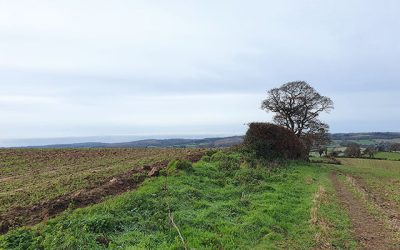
x=243 y=208
x=379 y=180
x=394 y=156
x=226 y=200
x=369 y=190
x=30 y=177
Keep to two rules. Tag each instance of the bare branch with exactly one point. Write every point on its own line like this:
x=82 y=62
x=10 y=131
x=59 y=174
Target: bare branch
x=297 y=106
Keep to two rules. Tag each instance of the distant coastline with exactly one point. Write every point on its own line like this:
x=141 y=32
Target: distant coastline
x=363 y=139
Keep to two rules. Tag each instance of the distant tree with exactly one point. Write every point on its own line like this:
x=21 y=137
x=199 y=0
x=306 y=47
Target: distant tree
x=395 y=147
x=317 y=138
x=383 y=147
x=353 y=150
x=297 y=106
x=370 y=151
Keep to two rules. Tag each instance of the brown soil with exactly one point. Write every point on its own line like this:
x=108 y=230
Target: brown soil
x=25 y=216
x=369 y=231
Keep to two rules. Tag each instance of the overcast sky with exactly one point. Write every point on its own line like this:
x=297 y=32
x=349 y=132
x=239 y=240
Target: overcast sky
x=96 y=68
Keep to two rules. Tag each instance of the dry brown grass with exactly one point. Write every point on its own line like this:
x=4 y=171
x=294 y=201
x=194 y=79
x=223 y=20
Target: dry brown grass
x=321 y=237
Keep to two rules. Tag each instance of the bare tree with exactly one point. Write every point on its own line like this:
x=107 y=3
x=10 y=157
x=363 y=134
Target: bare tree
x=297 y=106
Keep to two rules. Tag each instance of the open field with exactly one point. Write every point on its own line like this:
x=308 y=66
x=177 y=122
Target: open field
x=393 y=156
x=370 y=190
x=378 y=177
x=224 y=203
x=30 y=177
x=288 y=208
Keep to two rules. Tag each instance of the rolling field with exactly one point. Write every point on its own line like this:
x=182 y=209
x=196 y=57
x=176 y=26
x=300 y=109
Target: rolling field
x=377 y=182
x=30 y=177
x=225 y=201
x=393 y=156
x=379 y=178
x=370 y=191
x=217 y=204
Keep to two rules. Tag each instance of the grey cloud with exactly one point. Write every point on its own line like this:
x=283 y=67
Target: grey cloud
x=67 y=67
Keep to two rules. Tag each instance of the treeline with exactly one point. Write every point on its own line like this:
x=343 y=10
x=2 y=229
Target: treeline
x=365 y=136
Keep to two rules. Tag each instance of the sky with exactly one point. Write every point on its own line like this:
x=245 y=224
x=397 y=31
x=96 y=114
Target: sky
x=84 y=68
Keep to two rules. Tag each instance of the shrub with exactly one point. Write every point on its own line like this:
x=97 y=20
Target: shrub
x=225 y=162
x=206 y=158
x=218 y=156
x=184 y=165
x=271 y=141
x=229 y=164
x=174 y=167
x=249 y=159
x=211 y=152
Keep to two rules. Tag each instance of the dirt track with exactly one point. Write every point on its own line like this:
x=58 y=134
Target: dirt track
x=368 y=230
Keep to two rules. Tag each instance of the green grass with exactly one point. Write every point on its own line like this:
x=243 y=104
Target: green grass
x=393 y=156
x=214 y=209
x=380 y=177
x=335 y=223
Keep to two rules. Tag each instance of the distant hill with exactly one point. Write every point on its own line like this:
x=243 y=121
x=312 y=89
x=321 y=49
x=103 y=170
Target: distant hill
x=366 y=136
x=363 y=139
x=164 y=143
